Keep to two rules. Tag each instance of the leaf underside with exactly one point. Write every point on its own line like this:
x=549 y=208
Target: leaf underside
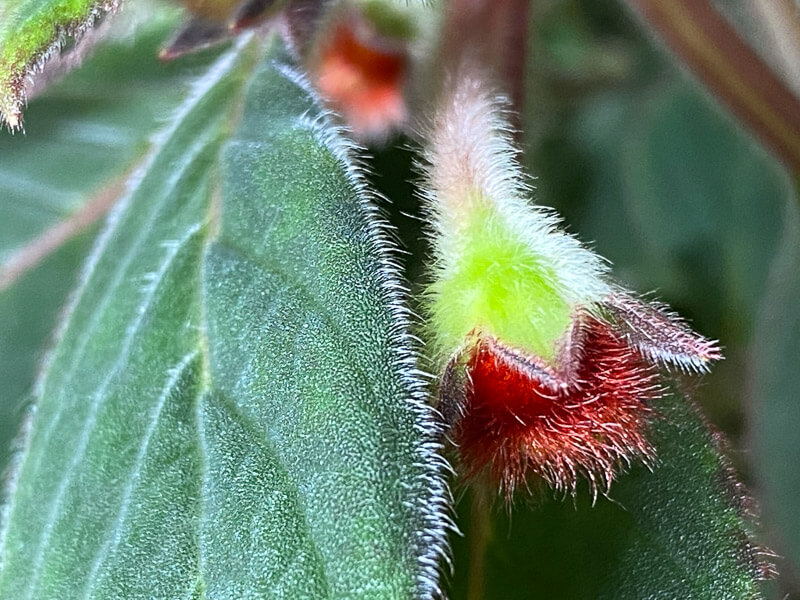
x=232 y=410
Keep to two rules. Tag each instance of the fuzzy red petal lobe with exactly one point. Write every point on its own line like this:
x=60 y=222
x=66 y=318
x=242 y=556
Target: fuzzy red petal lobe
x=521 y=417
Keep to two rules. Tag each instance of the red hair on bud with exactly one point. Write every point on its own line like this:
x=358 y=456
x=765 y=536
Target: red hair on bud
x=521 y=417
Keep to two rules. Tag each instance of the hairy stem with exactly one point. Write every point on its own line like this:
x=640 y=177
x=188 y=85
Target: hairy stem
x=480 y=532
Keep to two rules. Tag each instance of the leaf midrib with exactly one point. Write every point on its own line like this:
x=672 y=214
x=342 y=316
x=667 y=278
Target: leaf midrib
x=214 y=218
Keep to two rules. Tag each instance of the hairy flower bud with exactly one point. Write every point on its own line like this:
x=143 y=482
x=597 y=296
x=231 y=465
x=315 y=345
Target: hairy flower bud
x=363 y=61
x=549 y=367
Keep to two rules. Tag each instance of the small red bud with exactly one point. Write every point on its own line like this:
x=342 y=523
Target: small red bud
x=362 y=74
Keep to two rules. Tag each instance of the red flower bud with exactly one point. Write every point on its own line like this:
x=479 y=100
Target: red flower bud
x=363 y=75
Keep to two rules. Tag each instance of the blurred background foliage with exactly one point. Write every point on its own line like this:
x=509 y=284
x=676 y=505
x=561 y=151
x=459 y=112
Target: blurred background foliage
x=638 y=160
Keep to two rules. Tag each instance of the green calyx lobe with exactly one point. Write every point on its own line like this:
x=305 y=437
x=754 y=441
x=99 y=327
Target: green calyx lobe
x=495 y=284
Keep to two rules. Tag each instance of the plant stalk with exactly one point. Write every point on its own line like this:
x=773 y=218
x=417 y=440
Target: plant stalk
x=718 y=56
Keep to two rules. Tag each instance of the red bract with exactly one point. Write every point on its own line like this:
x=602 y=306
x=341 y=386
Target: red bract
x=586 y=419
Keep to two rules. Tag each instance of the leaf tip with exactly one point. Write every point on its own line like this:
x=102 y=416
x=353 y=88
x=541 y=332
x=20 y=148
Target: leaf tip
x=32 y=54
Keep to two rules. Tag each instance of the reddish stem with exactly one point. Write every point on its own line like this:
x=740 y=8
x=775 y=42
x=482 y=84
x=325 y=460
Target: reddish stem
x=716 y=53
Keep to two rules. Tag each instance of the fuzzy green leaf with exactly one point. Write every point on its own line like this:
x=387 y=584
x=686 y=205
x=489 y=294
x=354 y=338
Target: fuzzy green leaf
x=232 y=410
x=60 y=177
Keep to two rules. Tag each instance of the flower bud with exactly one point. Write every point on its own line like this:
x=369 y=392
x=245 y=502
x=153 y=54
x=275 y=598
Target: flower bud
x=549 y=369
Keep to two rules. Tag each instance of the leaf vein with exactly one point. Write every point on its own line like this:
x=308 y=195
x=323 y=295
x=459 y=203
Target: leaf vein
x=202 y=87
x=115 y=533
x=248 y=422
x=127 y=343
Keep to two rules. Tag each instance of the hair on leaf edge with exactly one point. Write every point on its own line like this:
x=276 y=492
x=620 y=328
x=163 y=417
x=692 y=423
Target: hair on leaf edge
x=15 y=97
x=432 y=499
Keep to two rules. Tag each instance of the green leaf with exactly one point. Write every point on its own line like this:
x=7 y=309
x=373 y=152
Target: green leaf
x=31 y=32
x=775 y=408
x=233 y=409
x=676 y=532
x=59 y=178
x=28 y=313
